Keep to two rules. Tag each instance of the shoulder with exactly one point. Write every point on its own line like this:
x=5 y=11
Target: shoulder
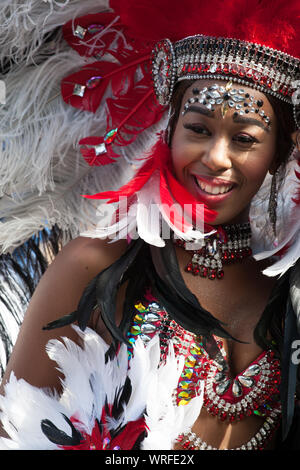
x=90 y=255
x=56 y=295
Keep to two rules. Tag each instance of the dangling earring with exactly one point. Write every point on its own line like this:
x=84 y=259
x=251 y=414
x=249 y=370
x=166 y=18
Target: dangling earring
x=272 y=208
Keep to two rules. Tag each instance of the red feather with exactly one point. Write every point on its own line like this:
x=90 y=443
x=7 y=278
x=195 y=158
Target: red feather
x=171 y=191
x=88 y=151
x=100 y=438
x=93 y=43
x=159 y=154
x=133 y=112
x=120 y=76
x=95 y=160
x=274 y=23
x=182 y=196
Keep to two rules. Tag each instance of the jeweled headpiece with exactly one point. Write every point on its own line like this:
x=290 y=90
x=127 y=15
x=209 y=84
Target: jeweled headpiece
x=197 y=57
x=256 y=46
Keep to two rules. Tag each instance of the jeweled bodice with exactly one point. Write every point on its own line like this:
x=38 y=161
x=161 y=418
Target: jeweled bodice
x=253 y=391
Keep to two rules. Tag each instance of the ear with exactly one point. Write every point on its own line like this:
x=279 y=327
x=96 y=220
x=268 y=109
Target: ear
x=296 y=138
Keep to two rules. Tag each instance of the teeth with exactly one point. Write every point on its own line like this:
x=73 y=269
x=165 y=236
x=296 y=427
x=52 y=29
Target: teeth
x=213 y=189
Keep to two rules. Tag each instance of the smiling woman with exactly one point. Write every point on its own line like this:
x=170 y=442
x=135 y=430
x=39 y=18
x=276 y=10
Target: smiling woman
x=221 y=155
x=179 y=308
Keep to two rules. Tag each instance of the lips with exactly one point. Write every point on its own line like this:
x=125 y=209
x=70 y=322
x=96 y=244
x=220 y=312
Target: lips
x=213 y=189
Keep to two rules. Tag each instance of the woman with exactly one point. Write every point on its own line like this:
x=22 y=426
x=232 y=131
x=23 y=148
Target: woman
x=231 y=325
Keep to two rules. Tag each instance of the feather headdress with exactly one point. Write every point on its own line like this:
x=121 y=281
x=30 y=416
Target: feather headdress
x=98 y=55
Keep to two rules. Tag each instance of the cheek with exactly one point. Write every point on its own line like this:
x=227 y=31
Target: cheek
x=255 y=171
x=181 y=154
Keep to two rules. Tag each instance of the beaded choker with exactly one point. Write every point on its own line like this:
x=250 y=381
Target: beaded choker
x=231 y=243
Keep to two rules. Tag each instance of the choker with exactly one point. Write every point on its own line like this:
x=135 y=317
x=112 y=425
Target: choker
x=230 y=243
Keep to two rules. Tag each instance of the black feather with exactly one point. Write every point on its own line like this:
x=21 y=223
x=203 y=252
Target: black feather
x=20 y=273
x=288 y=370
x=63 y=321
x=107 y=286
x=59 y=437
x=178 y=300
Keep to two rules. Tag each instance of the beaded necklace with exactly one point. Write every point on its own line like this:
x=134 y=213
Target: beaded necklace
x=229 y=244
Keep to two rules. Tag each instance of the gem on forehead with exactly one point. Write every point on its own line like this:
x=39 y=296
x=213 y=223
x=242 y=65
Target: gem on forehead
x=227 y=97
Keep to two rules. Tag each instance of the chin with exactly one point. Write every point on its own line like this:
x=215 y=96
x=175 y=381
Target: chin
x=237 y=218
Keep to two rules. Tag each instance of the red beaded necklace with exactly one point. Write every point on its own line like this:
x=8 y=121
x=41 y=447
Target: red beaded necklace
x=229 y=244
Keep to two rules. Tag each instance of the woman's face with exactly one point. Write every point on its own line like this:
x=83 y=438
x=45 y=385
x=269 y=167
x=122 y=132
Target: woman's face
x=223 y=159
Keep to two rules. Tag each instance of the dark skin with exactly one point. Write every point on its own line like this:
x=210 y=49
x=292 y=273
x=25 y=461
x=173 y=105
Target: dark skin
x=80 y=261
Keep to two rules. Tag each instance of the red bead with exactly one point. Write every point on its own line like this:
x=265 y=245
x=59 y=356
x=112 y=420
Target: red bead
x=234 y=69
x=203 y=272
x=212 y=274
x=189 y=267
x=220 y=274
x=242 y=72
x=226 y=68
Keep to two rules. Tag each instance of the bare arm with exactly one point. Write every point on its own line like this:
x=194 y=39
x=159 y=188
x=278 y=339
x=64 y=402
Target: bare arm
x=57 y=294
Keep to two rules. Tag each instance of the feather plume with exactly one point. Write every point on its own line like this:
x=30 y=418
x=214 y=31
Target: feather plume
x=95 y=391
x=24 y=27
x=275 y=24
x=99 y=34
x=96 y=77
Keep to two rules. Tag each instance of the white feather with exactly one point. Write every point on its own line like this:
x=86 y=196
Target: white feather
x=164 y=420
x=23 y=25
x=89 y=382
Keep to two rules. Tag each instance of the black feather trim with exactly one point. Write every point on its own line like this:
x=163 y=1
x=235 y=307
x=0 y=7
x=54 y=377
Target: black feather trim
x=181 y=304
x=20 y=273
x=63 y=321
x=59 y=437
x=288 y=371
x=107 y=286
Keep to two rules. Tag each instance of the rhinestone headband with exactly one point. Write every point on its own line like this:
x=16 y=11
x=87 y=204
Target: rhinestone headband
x=239 y=100
x=204 y=57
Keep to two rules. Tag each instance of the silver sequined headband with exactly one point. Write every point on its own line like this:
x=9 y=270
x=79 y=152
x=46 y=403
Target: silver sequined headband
x=229 y=98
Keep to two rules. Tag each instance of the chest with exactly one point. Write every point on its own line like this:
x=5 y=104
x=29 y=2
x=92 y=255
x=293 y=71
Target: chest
x=229 y=396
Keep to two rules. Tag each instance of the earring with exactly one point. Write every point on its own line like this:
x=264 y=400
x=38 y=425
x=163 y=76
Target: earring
x=272 y=208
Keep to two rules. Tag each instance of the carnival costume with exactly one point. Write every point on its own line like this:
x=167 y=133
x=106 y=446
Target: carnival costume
x=116 y=112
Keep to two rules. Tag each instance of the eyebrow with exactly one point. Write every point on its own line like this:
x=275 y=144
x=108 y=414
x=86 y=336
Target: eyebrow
x=238 y=119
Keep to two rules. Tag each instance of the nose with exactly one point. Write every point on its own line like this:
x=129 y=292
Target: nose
x=217 y=155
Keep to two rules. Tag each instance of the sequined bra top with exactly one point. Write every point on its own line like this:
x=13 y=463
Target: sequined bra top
x=253 y=391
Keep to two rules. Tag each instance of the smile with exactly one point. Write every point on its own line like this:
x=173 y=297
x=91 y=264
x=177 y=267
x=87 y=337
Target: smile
x=213 y=189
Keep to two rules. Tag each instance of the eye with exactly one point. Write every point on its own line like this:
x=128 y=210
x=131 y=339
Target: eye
x=198 y=128
x=245 y=139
